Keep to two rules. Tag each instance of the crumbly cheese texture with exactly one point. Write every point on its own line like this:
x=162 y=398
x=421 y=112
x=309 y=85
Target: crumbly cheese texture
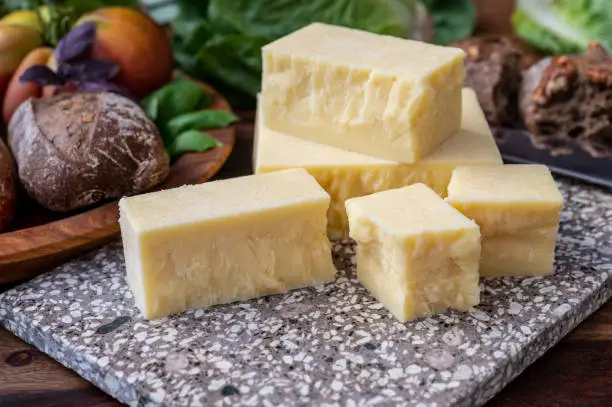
x=383 y=96
x=415 y=253
x=345 y=174
x=225 y=241
x=517 y=208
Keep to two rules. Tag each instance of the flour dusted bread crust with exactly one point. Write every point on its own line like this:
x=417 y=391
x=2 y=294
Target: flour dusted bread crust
x=7 y=186
x=77 y=149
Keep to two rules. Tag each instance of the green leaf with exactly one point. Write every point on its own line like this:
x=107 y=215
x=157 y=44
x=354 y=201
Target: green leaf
x=178 y=97
x=276 y=18
x=85 y=6
x=564 y=26
x=200 y=120
x=222 y=42
x=540 y=38
x=452 y=19
x=192 y=141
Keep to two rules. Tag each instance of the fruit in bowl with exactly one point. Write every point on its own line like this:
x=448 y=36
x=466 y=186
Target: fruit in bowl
x=17 y=93
x=140 y=47
x=16 y=41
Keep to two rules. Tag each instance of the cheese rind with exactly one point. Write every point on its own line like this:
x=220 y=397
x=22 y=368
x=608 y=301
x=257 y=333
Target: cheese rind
x=344 y=174
x=518 y=209
x=378 y=95
x=415 y=253
x=225 y=241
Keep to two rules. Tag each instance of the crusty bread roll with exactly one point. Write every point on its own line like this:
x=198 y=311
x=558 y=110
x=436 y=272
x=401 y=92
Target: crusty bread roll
x=78 y=149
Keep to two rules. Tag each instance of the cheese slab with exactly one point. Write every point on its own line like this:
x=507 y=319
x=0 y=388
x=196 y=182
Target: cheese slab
x=225 y=241
x=378 y=95
x=345 y=174
x=415 y=253
x=518 y=209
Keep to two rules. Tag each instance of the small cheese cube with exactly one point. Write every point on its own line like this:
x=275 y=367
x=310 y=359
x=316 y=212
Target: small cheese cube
x=345 y=174
x=517 y=208
x=415 y=253
x=372 y=94
x=225 y=241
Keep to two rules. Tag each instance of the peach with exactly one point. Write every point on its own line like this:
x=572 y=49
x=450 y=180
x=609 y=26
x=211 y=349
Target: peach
x=16 y=42
x=17 y=93
x=137 y=44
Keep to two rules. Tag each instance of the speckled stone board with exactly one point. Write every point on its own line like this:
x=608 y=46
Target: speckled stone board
x=328 y=345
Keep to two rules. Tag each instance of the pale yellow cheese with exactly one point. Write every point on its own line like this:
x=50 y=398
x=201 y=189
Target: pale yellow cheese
x=378 y=95
x=415 y=253
x=345 y=174
x=225 y=241
x=517 y=208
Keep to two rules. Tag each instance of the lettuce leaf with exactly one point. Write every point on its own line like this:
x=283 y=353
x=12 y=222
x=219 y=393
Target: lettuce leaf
x=564 y=26
x=276 y=18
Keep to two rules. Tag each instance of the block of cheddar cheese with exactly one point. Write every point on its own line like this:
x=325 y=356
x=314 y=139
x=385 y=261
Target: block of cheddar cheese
x=415 y=253
x=225 y=241
x=378 y=95
x=517 y=208
x=345 y=174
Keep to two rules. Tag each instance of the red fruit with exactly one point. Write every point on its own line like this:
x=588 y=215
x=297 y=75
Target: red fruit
x=17 y=93
x=137 y=44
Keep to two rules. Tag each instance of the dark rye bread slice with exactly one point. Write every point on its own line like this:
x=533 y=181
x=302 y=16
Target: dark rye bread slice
x=8 y=193
x=77 y=149
x=493 y=67
x=566 y=101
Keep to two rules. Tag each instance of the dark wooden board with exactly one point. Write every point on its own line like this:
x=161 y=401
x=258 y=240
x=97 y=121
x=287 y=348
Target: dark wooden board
x=40 y=239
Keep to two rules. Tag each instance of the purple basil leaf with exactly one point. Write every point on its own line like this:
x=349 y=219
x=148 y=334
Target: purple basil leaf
x=104 y=86
x=89 y=71
x=77 y=43
x=41 y=75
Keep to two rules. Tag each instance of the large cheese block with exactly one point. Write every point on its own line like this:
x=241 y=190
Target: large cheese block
x=346 y=175
x=225 y=241
x=378 y=95
x=415 y=253
x=517 y=208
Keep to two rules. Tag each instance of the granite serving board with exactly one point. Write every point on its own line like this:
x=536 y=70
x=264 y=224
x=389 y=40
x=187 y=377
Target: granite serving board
x=327 y=345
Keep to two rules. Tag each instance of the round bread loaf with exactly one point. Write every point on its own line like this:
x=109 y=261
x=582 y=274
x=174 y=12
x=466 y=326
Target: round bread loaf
x=566 y=102
x=77 y=149
x=8 y=194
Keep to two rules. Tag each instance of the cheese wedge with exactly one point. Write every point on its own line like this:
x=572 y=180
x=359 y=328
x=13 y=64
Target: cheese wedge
x=346 y=175
x=415 y=253
x=225 y=241
x=377 y=95
x=517 y=208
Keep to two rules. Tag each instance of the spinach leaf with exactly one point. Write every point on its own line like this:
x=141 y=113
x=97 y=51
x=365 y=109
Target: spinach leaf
x=233 y=60
x=192 y=141
x=179 y=97
x=201 y=120
x=453 y=19
x=175 y=110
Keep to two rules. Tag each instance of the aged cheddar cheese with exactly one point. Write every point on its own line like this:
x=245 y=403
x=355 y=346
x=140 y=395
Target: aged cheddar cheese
x=225 y=241
x=378 y=95
x=415 y=253
x=517 y=208
x=347 y=175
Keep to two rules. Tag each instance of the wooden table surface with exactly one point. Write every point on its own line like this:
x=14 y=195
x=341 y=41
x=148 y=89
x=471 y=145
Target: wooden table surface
x=574 y=373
